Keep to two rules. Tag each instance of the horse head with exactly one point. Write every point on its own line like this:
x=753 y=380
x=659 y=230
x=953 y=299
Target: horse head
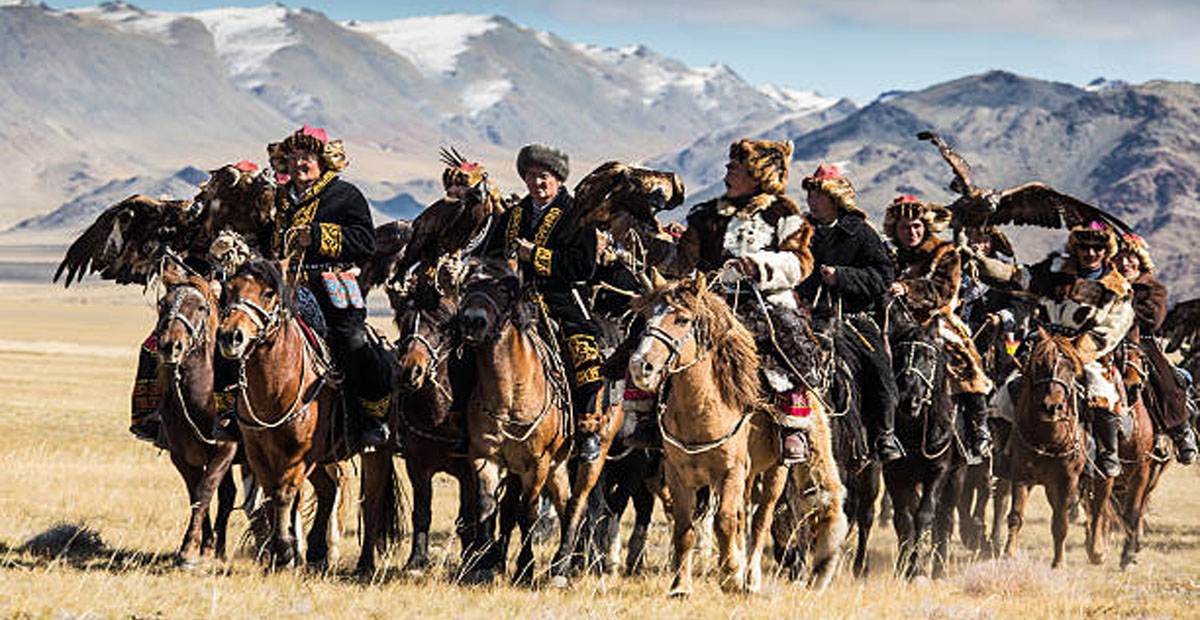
x=674 y=338
x=917 y=354
x=1053 y=367
x=491 y=296
x=186 y=319
x=425 y=335
x=253 y=304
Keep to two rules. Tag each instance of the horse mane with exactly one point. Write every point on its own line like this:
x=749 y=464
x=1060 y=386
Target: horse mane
x=735 y=360
x=269 y=273
x=1049 y=345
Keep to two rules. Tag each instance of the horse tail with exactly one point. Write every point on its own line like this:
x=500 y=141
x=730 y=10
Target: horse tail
x=382 y=495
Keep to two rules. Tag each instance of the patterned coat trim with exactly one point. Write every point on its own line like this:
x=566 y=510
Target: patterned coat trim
x=302 y=217
x=330 y=239
x=543 y=260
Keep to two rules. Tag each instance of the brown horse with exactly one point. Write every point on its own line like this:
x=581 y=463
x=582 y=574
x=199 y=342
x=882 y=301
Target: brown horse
x=426 y=423
x=1129 y=492
x=519 y=419
x=186 y=331
x=1048 y=442
x=716 y=434
x=285 y=407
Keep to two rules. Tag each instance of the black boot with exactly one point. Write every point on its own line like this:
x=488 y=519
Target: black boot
x=146 y=428
x=888 y=447
x=226 y=426
x=795 y=445
x=587 y=442
x=1185 y=443
x=375 y=432
x=1105 y=427
x=979 y=440
x=587 y=446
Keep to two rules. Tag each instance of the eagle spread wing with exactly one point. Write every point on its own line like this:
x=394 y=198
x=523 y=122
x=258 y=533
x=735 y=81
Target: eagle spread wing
x=1182 y=325
x=962 y=170
x=1038 y=204
x=123 y=243
x=616 y=196
x=390 y=242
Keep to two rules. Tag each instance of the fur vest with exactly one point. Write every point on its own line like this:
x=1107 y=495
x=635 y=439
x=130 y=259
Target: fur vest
x=1096 y=313
x=932 y=273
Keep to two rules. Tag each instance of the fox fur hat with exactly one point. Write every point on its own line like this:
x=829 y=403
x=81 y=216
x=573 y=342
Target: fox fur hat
x=546 y=157
x=935 y=216
x=829 y=179
x=1099 y=233
x=1136 y=245
x=766 y=161
x=332 y=153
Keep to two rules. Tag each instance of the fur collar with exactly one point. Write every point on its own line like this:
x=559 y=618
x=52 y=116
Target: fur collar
x=1111 y=280
x=756 y=204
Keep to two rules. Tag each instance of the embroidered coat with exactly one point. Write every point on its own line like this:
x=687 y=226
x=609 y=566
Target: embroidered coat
x=340 y=219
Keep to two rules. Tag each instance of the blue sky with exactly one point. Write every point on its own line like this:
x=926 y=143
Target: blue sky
x=854 y=48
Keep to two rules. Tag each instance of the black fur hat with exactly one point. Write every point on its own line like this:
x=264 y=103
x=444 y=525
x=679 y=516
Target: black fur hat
x=545 y=156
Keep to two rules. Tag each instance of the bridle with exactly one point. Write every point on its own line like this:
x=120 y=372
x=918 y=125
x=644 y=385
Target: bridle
x=266 y=322
x=675 y=345
x=436 y=352
x=196 y=334
x=924 y=375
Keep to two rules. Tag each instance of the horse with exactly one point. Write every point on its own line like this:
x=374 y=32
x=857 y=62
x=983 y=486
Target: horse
x=519 y=418
x=716 y=433
x=186 y=332
x=425 y=422
x=286 y=408
x=1124 y=498
x=924 y=483
x=860 y=472
x=632 y=474
x=1048 y=444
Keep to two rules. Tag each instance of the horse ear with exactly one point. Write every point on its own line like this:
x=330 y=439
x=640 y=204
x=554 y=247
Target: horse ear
x=657 y=280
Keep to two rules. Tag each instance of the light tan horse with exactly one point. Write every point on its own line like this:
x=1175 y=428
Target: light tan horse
x=518 y=422
x=285 y=409
x=704 y=364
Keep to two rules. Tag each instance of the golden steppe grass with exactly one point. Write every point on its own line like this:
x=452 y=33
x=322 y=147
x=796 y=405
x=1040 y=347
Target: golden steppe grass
x=66 y=361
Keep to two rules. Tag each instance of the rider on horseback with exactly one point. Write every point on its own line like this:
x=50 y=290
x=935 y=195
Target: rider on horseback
x=557 y=259
x=1150 y=306
x=929 y=278
x=325 y=223
x=852 y=272
x=1083 y=297
x=757 y=236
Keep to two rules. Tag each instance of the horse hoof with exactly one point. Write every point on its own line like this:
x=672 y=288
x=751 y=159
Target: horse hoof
x=415 y=574
x=479 y=577
x=679 y=593
x=187 y=563
x=559 y=582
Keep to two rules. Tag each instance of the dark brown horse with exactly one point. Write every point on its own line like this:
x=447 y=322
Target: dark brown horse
x=1048 y=443
x=426 y=423
x=1123 y=499
x=186 y=331
x=519 y=420
x=286 y=407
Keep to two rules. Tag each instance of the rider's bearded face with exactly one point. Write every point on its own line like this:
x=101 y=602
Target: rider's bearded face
x=1090 y=255
x=910 y=232
x=304 y=168
x=542 y=185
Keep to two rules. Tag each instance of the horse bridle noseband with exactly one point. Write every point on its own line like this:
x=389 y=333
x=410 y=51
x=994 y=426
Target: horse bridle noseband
x=675 y=345
x=267 y=322
x=910 y=367
x=196 y=335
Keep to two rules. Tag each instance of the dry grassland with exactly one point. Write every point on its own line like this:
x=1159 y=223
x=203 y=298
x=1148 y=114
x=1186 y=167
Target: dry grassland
x=66 y=361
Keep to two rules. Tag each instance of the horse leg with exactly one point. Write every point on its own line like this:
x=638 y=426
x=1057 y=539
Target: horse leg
x=421 y=480
x=943 y=525
x=864 y=515
x=226 y=496
x=464 y=525
x=532 y=483
x=773 y=482
x=326 y=487
x=643 y=507
x=571 y=515
x=283 y=544
x=1135 y=506
x=729 y=527
x=1001 y=493
x=189 y=549
x=1016 y=516
x=1060 y=496
x=923 y=523
x=683 y=538
x=902 y=491
x=479 y=559
x=215 y=473
x=1097 y=527
x=829 y=532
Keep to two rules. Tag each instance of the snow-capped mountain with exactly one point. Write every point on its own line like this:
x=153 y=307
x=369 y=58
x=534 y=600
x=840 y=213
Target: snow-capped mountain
x=114 y=91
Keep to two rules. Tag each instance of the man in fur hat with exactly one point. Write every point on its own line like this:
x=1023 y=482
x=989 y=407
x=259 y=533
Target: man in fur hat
x=756 y=236
x=559 y=261
x=852 y=271
x=328 y=221
x=1150 y=307
x=928 y=280
x=1083 y=296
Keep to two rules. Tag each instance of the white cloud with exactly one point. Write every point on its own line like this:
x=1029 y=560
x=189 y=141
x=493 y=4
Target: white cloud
x=1098 y=20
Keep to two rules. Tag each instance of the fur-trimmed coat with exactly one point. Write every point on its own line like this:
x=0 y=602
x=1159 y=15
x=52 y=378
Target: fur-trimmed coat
x=932 y=274
x=1099 y=312
x=864 y=269
x=767 y=229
